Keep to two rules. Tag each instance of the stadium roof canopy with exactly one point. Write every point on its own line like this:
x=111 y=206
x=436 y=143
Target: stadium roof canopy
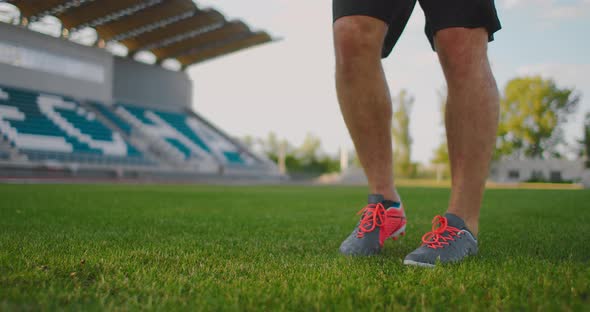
x=175 y=29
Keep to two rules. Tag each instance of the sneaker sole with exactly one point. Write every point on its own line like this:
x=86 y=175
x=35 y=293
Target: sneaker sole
x=419 y=264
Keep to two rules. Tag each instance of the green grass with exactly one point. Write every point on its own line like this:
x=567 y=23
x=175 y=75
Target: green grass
x=276 y=248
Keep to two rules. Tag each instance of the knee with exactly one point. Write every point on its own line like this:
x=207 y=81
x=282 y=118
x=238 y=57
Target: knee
x=461 y=50
x=358 y=38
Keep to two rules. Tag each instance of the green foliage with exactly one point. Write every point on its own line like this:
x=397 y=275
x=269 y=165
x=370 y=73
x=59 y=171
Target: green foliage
x=310 y=148
x=441 y=153
x=272 y=145
x=585 y=142
x=539 y=177
x=275 y=248
x=400 y=132
x=307 y=159
x=441 y=161
x=249 y=141
x=531 y=115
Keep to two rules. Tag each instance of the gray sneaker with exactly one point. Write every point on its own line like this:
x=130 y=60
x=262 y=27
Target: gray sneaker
x=449 y=241
x=377 y=224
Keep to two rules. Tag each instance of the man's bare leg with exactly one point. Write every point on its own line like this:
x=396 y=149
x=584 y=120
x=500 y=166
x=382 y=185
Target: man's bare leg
x=364 y=97
x=366 y=107
x=471 y=120
x=471 y=117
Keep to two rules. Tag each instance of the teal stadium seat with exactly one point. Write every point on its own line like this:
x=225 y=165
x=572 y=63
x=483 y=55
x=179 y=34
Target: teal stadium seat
x=178 y=121
x=181 y=147
x=67 y=137
x=211 y=142
x=138 y=113
x=110 y=115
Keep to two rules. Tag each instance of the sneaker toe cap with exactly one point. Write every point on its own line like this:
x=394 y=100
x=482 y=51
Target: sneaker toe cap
x=420 y=256
x=353 y=246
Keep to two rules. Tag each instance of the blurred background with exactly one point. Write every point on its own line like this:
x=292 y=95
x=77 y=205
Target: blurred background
x=225 y=90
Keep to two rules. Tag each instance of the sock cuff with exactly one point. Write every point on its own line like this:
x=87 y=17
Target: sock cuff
x=391 y=203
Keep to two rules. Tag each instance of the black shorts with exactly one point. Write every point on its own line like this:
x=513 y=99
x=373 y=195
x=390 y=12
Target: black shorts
x=440 y=14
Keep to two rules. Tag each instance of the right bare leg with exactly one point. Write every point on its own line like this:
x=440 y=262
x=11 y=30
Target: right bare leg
x=364 y=97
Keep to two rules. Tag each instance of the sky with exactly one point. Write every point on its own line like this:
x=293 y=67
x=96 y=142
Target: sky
x=287 y=86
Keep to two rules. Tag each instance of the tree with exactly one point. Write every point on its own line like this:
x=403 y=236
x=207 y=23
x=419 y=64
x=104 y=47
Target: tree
x=273 y=147
x=532 y=112
x=305 y=160
x=310 y=149
x=400 y=132
x=440 y=158
x=441 y=153
x=249 y=141
x=585 y=142
x=309 y=158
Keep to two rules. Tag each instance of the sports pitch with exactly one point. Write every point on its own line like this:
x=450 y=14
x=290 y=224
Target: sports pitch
x=119 y=247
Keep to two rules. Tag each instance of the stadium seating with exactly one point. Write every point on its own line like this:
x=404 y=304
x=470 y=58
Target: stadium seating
x=188 y=135
x=109 y=114
x=51 y=127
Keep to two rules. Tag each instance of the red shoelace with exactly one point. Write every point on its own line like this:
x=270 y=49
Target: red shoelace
x=435 y=239
x=373 y=216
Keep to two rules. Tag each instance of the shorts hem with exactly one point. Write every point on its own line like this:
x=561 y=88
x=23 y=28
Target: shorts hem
x=360 y=14
x=491 y=29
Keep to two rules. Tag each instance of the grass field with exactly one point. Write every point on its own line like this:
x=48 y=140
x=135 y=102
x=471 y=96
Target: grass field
x=276 y=248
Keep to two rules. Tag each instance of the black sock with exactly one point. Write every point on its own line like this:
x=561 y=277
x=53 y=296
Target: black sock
x=390 y=203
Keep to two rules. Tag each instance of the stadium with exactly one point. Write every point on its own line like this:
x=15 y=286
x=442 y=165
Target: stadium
x=119 y=193
x=79 y=112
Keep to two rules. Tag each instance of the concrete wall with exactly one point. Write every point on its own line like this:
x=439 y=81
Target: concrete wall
x=53 y=81
x=150 y=85
x=122 y=79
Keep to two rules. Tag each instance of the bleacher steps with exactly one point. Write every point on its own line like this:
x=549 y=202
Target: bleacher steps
x=156 y=145
x=137 y=143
